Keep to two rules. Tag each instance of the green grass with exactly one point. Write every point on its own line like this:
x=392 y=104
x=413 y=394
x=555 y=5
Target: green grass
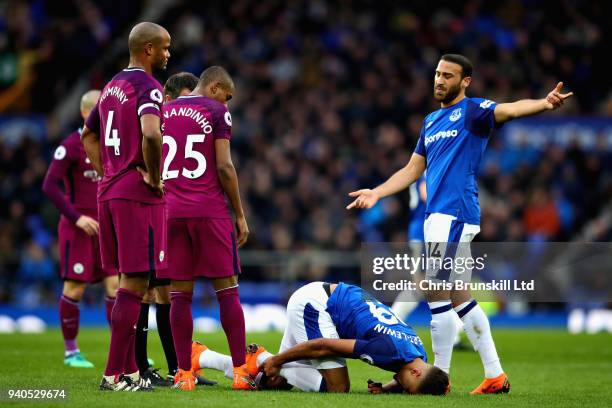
x=546 y=368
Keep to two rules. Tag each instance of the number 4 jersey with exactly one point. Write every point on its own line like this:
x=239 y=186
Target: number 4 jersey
x=131 y=94
x=382 y=339
x=191 y=125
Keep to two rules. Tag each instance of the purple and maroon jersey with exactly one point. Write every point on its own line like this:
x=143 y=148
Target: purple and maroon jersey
x=116 y=118
x=191 y=126
x=72 y=169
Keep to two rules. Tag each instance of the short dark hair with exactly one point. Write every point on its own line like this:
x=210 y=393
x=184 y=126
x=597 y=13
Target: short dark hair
x=435 y=382
x=216 y=73
x=177 y=82
x=466 y=64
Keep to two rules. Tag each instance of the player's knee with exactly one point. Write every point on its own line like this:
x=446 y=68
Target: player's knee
x=162 y=294
x=137 y=283
x=460 y=296
x=181 y=286
x=224 y=283
x=436 y=295
x=111 y=284
x=149 y=296
x=74 y=290
x=336 y=382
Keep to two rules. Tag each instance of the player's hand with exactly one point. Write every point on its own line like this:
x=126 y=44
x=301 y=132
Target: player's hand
x=88 y=224
x=555 y=98
x=366 y=198
x=146 y=177
x=375 y=387
x=243 y=231
x=270 y=368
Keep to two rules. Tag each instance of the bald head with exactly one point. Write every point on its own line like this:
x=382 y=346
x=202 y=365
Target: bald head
x=88 y=101
x=143 y=34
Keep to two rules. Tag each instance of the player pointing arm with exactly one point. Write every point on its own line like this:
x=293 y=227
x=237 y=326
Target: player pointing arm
x=399 y=181
x=503 y=112
x=451 y=144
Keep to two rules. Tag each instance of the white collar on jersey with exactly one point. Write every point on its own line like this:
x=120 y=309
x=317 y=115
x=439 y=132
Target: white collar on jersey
x=190 y=96
x=134 y=69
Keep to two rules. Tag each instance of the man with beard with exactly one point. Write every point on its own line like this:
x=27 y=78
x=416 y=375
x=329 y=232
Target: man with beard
x=131 y=205
x=450 y=146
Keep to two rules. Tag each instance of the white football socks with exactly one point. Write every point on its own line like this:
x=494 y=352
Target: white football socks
x=443 y=333
x=263 y=356
x=459 y=324
x=304 y=377
x=478 y=330
x=217 y=361
x=402 y=308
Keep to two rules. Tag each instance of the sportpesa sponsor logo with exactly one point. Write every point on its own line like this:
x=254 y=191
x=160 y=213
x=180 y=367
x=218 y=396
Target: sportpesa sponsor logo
x=440 y=135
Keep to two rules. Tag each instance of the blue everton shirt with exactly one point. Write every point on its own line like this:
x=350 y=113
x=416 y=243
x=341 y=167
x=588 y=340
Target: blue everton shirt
x=417 y=212
x=382 y=339
x=453 y=140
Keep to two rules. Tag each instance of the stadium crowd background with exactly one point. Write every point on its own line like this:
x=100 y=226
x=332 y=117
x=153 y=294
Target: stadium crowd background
x=330 y=97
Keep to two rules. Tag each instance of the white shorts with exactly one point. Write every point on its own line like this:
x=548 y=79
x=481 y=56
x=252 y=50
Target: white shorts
x=307 y=319
x=440 y=231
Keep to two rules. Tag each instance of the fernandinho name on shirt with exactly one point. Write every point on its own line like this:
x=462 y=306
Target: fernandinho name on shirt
x=198 y=117
x=116 y=92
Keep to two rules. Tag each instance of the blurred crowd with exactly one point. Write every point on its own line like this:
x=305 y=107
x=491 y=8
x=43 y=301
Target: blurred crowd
x=330 y=98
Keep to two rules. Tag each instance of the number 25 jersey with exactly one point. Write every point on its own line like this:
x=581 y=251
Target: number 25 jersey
x=131 y=94
x=192 y=124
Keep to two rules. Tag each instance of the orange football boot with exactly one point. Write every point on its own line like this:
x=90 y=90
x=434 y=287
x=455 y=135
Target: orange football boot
x=253 y=351
x=497 y=385
x=243 y=380
x=184 y=380
x=197 y=348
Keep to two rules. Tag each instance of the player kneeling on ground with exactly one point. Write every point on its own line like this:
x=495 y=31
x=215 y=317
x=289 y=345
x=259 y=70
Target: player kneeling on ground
x=326 y=323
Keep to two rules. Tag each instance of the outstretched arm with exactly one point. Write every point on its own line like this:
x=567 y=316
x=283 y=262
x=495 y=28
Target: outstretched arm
x=319 y=348
x=403 y=178
x=527 y=107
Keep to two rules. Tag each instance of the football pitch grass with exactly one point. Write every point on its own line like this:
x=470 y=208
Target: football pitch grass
x=546 y=368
